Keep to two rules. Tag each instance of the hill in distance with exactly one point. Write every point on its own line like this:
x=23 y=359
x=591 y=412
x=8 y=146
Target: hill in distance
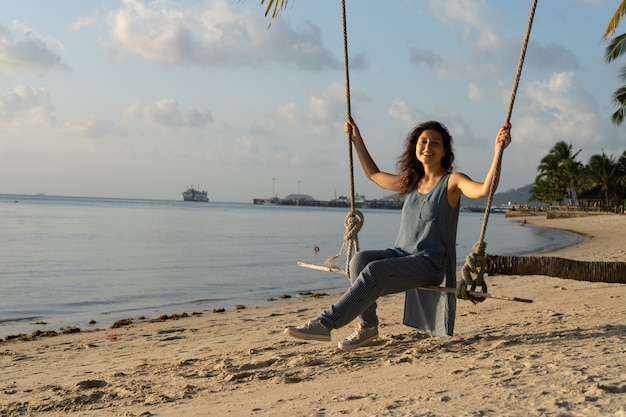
x=514 y=196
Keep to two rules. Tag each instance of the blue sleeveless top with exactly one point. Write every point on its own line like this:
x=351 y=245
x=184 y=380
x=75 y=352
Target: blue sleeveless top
x=428 y=228
x=429 y=223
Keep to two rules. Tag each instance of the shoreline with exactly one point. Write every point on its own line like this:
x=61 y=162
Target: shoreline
x=596 y=232
x=52 y=331
x=562 y=354
x=98 y=319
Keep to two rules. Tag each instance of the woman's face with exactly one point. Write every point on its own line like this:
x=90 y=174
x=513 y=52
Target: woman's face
x=429 y=148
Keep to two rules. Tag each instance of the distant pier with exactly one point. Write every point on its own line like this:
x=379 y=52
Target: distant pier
x=373 y=204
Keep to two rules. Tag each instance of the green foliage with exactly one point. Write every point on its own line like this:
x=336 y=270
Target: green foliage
x=559 y=175
x=614 y=50
x=276 y=6
x=563 y=178
x=600 y=173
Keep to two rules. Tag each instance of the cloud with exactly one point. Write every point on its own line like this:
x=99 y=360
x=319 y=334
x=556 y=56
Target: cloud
x=282 y=156
x=495 y=49
x=419 y=56
x=94 y=128
x=466 y=17
x=559 y=109
x=323 y=116
x=486 y=51
x=551 y=56
x=326 y=110
x=244 y=151
x=177 y=33
x=167 y=113
x=29 y=105
x=399 y=111
x=359 y=61
x=475 y=93
x=23 y=50
x=288 y=113
x=84 y=22
x=490 y=55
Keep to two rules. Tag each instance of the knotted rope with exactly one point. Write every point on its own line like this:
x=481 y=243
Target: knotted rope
x=355 y=219
x=475 y=262
x=353 y=223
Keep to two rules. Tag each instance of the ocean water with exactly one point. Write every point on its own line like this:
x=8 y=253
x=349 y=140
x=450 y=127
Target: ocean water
x=68 y=260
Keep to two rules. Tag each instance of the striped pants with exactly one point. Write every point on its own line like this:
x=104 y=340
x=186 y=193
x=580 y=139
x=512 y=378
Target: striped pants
x=374 y=273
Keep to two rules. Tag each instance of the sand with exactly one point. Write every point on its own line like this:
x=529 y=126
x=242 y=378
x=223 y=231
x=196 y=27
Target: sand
x=562 y=355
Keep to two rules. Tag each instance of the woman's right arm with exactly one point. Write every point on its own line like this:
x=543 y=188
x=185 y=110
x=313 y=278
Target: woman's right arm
x=392 y=182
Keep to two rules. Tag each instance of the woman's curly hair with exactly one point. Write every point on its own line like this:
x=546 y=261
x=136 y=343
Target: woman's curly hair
x=408 y=164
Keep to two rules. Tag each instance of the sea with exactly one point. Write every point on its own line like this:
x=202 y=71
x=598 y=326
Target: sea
x=89 y=262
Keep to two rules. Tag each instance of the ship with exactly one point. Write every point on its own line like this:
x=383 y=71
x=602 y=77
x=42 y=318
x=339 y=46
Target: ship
x=192 y=194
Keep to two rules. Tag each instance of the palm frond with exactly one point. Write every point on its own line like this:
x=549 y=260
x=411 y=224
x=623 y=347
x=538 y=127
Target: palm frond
x=615 y=48
x=618 y=117
x=619 y=100
x=622 y=74
x=277 y=5
x=619 y=96
x=615 y=20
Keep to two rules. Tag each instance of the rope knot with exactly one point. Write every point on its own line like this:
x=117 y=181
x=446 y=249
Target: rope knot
x=474 y=263
x=353 y=222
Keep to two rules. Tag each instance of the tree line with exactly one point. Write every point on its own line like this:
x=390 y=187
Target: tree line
x=564 y=180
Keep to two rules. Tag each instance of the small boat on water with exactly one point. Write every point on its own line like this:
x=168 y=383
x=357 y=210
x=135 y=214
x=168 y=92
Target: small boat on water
x=192 y=194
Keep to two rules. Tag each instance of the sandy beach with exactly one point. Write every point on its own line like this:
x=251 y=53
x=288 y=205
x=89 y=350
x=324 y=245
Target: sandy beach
x=562 y=355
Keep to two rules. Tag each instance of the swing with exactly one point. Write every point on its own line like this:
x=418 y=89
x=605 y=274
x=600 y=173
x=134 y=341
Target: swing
x=475 y=262
x=480 y=263
x=354 y=219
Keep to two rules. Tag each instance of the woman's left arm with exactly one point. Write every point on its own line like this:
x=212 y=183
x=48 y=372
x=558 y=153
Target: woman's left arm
x=463 y=184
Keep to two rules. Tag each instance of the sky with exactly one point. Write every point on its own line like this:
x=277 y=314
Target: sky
x=141 y=99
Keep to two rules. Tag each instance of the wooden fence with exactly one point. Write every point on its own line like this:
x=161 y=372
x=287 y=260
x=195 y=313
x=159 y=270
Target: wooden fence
x=614 y=272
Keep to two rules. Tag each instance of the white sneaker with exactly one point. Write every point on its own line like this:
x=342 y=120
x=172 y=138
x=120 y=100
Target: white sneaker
x=362 y=336
x=312 y=330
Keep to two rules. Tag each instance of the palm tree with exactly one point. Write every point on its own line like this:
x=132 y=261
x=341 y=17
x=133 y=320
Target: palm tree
x=548 y=182
x=601 y=172
x=621 y=175
x=572 y=172
x=544 y=192
x=560 y=171
x=614 y=50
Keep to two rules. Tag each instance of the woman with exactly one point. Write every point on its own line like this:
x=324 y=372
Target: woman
x=424 y=250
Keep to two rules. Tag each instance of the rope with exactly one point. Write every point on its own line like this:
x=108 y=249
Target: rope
x=353 y=223
x=475 y=262
x=354 y=220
